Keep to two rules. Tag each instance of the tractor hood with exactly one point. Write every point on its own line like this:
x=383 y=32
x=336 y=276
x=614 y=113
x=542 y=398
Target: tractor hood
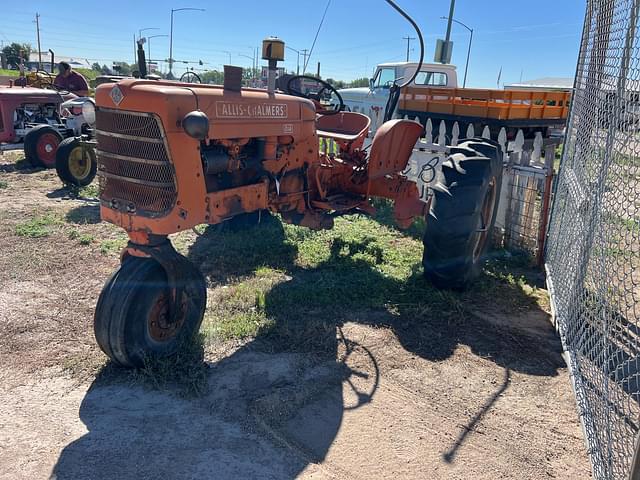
x=231 y=114
x=30 y=94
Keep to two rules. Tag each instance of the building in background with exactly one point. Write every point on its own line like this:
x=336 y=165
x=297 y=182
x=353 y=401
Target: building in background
x=546 y=83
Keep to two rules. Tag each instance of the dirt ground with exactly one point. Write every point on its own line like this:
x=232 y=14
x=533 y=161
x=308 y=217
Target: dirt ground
x=486 y=398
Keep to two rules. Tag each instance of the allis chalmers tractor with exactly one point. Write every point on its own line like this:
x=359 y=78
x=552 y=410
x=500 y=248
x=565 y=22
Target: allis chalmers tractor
x=174 y=155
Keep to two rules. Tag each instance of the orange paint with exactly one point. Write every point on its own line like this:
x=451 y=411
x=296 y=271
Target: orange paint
x=261 y=152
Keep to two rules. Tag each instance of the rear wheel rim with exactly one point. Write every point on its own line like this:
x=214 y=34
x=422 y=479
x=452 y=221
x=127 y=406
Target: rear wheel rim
x=46 y=148
x=160 y=326
x=486 y=214
x=79 y=163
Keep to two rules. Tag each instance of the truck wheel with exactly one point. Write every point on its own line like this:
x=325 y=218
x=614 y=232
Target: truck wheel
x=75 y=164
x=132 y=319
x=462 y=214
x=41 y=144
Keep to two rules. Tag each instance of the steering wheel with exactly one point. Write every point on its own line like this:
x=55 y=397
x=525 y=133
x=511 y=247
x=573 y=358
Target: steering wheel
x=318 y=96
x=60 y=90
x=190 y=77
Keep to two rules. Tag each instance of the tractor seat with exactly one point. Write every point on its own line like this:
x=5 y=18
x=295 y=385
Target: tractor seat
x=344 y=126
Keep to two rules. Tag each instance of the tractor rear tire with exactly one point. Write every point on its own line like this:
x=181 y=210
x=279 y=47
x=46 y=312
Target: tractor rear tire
x=462 y=214
x=41 y=144
x=76 y=164
x=132 y=321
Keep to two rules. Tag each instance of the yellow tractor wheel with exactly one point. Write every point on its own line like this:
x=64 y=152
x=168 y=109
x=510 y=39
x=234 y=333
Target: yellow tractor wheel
x=76 y=163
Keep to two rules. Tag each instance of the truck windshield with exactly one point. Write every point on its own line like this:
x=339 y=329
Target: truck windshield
x=437 y=79
x=385 y=77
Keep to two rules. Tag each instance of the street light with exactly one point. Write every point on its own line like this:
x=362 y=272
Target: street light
x=144 y=29
x=298 y=52
x=171 y=36
x=466 y=67
x=253 y=59
x=228 y=53
x=149 y=47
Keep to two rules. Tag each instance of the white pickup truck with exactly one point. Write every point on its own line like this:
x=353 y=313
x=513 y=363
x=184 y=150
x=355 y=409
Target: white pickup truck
x=372 y=100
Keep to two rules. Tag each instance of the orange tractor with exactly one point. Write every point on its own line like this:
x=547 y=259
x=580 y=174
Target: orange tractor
x=174 y=155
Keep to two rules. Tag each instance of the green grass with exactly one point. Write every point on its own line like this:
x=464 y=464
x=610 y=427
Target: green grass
x=630 y=224
x=37 y=227
x=90 y=191
x=184 y=373
x=86 y=239
x=83 y=238
x=290 y=287
x=112 y=245
x=4 y=184
x=88 y=73
x=10 y=73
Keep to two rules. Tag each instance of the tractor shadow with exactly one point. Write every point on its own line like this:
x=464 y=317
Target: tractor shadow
x=295 y=380
x=84 y=214
x=19 y=166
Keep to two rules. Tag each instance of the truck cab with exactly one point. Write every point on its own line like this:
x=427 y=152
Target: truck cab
x=371 y=100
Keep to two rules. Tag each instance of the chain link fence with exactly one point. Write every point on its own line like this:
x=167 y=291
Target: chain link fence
x=593 y=250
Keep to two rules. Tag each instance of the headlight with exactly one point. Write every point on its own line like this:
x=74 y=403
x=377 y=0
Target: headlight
x=196 y=124
x=89 y=112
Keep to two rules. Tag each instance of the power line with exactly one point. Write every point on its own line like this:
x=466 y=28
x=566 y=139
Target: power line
x=316 y=37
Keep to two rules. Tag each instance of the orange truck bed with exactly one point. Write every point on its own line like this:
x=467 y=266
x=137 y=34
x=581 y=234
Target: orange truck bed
x=473 y=104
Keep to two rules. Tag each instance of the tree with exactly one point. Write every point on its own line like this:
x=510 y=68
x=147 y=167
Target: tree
x=123 y=68
x=335 y=83
x=360 y=82
x=105 y=70
x=96 y=66
x=15 y=52
x=214 y=77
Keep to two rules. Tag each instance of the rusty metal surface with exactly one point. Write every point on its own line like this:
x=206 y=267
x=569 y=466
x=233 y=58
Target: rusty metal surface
x=392 y=146
x=134 y=169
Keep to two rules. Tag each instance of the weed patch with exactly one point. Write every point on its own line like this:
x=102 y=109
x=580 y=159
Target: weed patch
x=37 y=227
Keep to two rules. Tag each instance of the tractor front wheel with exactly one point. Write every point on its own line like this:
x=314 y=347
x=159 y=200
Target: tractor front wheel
x=41 y=144
x=75 y=164
x=134 y=318
x=462 y=215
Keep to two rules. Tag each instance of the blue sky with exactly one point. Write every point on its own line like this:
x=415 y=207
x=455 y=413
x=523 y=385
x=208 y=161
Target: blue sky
x=532 y=39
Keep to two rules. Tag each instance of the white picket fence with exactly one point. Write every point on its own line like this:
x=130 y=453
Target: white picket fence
x=525 y=197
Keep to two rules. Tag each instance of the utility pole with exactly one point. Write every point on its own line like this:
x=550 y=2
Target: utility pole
x=408 y=39
x=444 y=48
x=38 y=33
x=451 y=8
x=298 y=64
x=304 y=57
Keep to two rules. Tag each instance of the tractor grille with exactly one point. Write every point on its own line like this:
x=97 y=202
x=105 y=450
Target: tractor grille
x=135 y=172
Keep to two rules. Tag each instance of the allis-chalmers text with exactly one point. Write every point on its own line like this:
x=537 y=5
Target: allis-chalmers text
x=255 y=110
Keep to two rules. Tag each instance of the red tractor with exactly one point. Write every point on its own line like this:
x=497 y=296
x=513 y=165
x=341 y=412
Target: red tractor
x=50 y=126
x=174 y=155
